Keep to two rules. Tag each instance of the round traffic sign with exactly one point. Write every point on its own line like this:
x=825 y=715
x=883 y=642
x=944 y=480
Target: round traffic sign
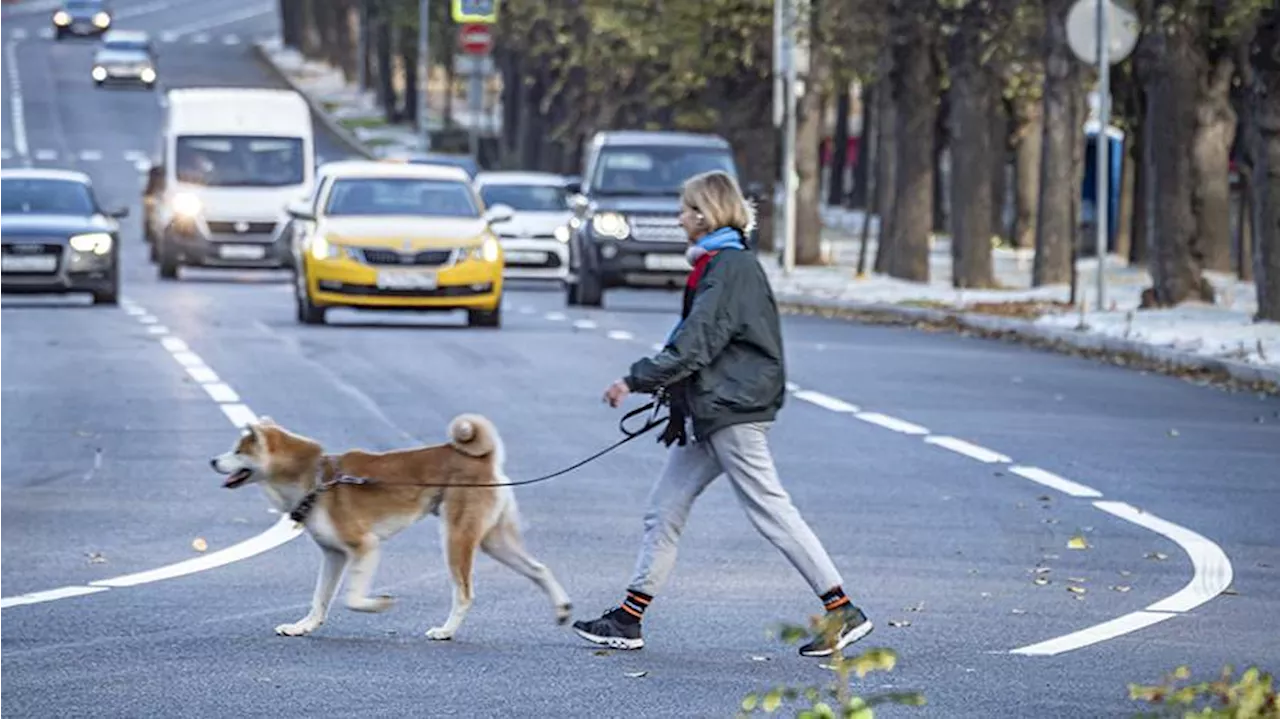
x=1122 y=30
x=475 y=39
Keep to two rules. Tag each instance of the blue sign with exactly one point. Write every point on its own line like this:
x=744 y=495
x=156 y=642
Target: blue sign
x=475 y=11
x=1089 y=188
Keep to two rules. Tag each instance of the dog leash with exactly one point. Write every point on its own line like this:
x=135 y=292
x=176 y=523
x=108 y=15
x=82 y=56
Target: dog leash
x=305 y=505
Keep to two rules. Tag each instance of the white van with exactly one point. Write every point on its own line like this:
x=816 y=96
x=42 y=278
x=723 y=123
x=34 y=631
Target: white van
x=229 y=159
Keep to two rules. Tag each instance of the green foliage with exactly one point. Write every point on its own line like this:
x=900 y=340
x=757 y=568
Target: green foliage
x=1251 y=696
x=835 y=700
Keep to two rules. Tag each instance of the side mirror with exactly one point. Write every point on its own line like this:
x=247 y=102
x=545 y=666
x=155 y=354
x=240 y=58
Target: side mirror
x=118 y=212
x=498 y=214
x=300 y=210
x=573 y=186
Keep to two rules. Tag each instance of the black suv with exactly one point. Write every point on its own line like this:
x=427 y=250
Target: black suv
x=81 y=18
x=624 y=231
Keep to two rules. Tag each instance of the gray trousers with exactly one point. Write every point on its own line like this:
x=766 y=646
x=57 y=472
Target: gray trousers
x=742 y=453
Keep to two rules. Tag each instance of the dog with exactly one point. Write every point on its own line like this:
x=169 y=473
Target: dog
x=350 y=521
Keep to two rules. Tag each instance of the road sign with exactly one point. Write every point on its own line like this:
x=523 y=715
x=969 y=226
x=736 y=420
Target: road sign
x=475 y=39
x=475 y=11
x=1123 y=29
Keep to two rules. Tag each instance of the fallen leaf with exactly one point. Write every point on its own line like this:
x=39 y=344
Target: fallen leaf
x=1229 y=591
x=1041 y=581
x=1158 y=556
x=899 y=622
x=986 y=594
x=199 y=544
x=1049 y=520
x=1076 y=590
x=1264 y=565
x=96 y=558
x=1050 y=556
x=1078 y=580
x=1121 y=587
x=1018 y=611
x=83 y=433
x=758 y=658
x=637 y=675
x=1173 y=433
x=1125 y=573
x=919 y=607
x=602 y=652
x=1044 y=498
x=1077 y=542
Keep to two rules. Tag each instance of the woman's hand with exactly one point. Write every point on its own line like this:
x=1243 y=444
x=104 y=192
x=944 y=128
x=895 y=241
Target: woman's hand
x=616 y=392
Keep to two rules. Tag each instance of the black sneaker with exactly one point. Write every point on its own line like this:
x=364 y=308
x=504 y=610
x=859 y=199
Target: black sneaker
x=610 y=632
x=853 y=625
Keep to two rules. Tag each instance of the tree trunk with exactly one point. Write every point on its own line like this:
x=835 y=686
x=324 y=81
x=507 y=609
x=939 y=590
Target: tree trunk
x=382 y=45
x=862 y=168
x=886 y=169
x=1215 y=134
x=915 y=89
x=1028 y=138
x=291 y=23
x=808 y=159
x=1172 y=93
x=999 y=165
x=310 y=43
x=1124 y=222
x=972 y=100
x=839 y=149
x=1244 y=226
x=1263 y=125
x=1055 y=222
x=409 y=59
x=941 y=161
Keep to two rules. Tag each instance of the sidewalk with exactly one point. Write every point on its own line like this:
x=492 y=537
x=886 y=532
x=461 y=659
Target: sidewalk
x=1220 y=339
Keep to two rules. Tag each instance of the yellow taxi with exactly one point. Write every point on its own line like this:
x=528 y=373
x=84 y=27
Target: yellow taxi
x=389 y=236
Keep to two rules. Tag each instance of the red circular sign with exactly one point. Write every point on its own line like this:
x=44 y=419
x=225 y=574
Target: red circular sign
x=475 y=39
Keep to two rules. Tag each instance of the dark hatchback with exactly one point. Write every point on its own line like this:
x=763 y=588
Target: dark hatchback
x=81 y=18
x=55 y=237
x=624 y=232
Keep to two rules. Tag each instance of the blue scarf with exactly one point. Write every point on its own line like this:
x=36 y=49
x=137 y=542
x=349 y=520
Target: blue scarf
x=725 y=238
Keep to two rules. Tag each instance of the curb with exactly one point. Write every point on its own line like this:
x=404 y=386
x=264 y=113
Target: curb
x=1161 y=358
x=342 y=133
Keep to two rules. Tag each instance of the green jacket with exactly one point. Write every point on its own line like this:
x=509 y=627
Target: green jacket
x=729 y=348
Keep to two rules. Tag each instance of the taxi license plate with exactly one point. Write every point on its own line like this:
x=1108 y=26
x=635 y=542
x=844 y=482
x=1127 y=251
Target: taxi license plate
x=526 y=258
x=667 y=263
x=29 y=263
x=406 y=280
x=242 y=252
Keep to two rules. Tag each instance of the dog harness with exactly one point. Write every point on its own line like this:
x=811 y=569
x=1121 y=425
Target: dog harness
x=327 y=476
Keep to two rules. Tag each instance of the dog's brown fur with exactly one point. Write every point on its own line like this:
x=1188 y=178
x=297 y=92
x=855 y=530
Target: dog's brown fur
x=350 y=521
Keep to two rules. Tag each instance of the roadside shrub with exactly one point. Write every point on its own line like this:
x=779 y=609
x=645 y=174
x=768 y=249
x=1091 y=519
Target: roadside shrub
x=1251 y=696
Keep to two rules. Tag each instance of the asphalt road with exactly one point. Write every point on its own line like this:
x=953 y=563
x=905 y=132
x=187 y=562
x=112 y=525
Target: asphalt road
x=106 y=440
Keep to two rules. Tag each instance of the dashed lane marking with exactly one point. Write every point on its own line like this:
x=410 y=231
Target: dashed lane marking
x=1053 y=481
x=240 y=415
x=620 y=335
x=893 y=423
x=968 y=449
x=824 y=401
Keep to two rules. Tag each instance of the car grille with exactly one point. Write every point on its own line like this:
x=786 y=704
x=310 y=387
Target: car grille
x=371 y=291
x=657 y=228
x=33 y=249
x=219 y=227
x=430 y=258
x=514 y=236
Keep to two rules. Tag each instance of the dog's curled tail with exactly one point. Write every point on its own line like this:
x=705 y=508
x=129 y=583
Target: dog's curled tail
x=473 y=435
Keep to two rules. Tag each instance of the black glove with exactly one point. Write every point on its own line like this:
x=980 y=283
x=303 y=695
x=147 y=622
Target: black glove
x=678 y=413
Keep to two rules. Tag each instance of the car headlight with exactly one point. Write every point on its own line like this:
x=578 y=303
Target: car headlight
x=487 y=251
x=101 y=19
x=610 y=224
x=148 y=75
x=99 y=243
x=61 y=18
x=562 y=233
x=323 y=249
x=186 y=205
x=99 y=73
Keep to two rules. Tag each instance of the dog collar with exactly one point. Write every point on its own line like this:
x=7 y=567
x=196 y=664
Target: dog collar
x=327 y=476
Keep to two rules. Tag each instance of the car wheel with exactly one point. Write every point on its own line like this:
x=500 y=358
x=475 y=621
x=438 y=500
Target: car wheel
x=109 y=296
x=485 y=318
x=571 y=293
x=97 y=83
x=308 y=313
x=168 y=263
x=590 y=290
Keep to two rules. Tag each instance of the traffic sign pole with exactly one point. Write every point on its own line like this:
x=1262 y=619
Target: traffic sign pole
x=1103 y=146
x=424 y=71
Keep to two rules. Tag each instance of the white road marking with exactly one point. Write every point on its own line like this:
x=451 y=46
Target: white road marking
x=1212 y=574
x=202 y=374
x=158 y=330
x=620 y=335
x=221 y=392
x=657 y=346
x=525 y=310
x=825 y=401
x=169 y=37
x=282 y=531
x=19 y=34
x=1053 y=481
x=90 y=155
x=893 y=423
x=230 y=40
x=793 y=387
x=555 y=316
x=48 y=595
x=5 y=154
x=1098 y=633
x=584 y=325
x=1212 y=568
x=45 y=33
x=200 y=38
x=228 y=401
x=240 y=415
x=18 y=119
x=143 y=9
x=219 y=21
x=135 y=156
x=46 y=155
x=968 y=449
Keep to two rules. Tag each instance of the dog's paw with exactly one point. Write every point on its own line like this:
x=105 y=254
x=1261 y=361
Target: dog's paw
x=439 y=634
x=564 y=612
x=372 y=605
x=297 y=629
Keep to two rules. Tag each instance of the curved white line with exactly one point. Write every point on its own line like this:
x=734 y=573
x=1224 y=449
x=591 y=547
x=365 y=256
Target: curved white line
x=1212 y=574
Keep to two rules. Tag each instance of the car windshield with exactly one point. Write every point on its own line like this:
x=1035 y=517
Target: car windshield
x=239 y=161
x=527 y=198
x=29 y=196
x=84 y=5
x=125 y=46
x=401 y=196
x=655 y=170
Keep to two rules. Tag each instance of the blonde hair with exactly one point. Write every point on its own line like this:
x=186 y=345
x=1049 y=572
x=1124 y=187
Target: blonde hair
x=717 y=197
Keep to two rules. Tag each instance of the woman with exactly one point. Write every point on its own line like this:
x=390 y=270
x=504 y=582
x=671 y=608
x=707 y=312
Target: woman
x=722 y=368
